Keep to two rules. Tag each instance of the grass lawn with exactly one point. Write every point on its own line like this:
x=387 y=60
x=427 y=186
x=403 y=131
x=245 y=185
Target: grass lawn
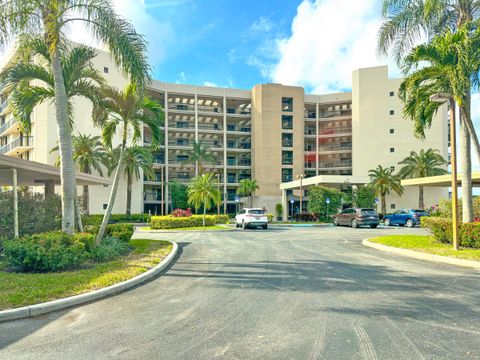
x=20 y=289
x=426 y=244
x=195 y=228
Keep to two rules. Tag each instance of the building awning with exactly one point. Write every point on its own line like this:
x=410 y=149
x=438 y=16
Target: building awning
x=32 y=173
x=440 y=181
x=326 y=180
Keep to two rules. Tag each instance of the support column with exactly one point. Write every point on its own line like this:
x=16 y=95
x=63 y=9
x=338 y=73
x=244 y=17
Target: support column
x=284 y=205
x=225 y=154
x=49 y=188
x=15 y=203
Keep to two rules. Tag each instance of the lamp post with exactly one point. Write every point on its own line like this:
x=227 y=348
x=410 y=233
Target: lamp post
x=301 y=176
x=218 y=187
x=442 y=98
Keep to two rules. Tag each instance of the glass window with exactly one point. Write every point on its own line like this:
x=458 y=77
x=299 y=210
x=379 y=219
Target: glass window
x=287 y=157
x=392 y=131
x=287 y=140
x=287 y=104
x=256 y=212
x=392 y=93
x=392 y=112
x=392 y=206
x=287 y=175
x=287 y=122
x=392 y=150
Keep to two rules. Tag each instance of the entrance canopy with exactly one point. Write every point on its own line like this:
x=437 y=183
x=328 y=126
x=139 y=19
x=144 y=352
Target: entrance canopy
x=440 y=181
x=326 y=180
x=32 y=173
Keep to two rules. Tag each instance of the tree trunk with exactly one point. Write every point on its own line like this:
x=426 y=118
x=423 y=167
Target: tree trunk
x=466 y=171
x=67 y=168
x=250 y=200
x=421 y=204
x=129 y=194
x=204 y=213
x=85 y=200
x=111 y=199
x=384 y=205
x=78 y=214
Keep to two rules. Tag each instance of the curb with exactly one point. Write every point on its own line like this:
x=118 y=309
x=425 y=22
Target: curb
x=59 y=304
x=423 y=256
x=170 y=231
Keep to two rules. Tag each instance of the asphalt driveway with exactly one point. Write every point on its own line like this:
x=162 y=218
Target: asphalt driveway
x=285 y=293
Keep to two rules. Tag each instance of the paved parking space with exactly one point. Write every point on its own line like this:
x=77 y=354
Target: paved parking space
x=284 y=293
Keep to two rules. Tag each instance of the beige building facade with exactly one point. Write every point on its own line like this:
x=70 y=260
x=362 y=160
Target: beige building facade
x=271 y=133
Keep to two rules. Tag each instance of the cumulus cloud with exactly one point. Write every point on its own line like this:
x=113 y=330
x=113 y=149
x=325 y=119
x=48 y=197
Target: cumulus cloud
x=329 y=39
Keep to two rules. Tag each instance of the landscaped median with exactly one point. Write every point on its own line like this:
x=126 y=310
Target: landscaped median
x=183 y=219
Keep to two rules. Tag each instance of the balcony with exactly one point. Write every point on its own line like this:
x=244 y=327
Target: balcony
x=18 y=146
x=335 y=114
x=237 y=111
x=3 y=105
x=182 y=179
x=332 y=132
x=181 y=125
x=9 y=127
x=152 y=197
x=234 y=162
x=241 y=146
x=210 y=109
x=210 y=127
x=342 y=147
x=235 y=128
x=181 y=107
x=185 y=143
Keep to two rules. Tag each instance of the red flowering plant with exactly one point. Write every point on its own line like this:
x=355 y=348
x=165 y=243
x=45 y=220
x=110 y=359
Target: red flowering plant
x=182 y=213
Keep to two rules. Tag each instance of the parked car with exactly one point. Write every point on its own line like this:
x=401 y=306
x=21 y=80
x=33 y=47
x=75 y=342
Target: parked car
x=356 y=217
x=251 y=217
x=402 y=217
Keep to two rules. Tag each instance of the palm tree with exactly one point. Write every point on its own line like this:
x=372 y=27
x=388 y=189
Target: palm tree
x=203 y=192
x=88 y=153
x=50 y=20
x=246 y=188
x=135 y=158
x=426 y=163
x=404 y=23
x=129 y=111
x=198 y=156
x=448 y=64
x=383 y=181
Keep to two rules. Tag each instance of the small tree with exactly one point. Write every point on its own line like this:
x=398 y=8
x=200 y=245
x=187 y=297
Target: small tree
x=365 y=197
x=202 y=192
x=246 y=188
x=179 y=195
x=318 y=196
x=279 y=210
x=384 y=181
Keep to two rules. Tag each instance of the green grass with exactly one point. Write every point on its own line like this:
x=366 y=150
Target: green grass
x=426 y=244
x=195 y=228
x=20 y=289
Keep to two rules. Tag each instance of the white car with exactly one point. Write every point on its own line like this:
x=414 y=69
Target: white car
x=251 y=217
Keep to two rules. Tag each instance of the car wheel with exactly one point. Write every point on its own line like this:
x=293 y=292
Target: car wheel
x=335 y=222
x=373 y=226
x=409 y=223
x=244 y=226
x=265 y=227
x=387 y=222
x=354 y=223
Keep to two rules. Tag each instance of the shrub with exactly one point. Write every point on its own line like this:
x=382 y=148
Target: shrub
x=279 y=210
x=110 y=249
x=222 y=219
x=365 y=197
x=306 y=217
x=440 y=228
x=317 y=200
x=85 y=238
x=470 y=235
x=122 y=231
x=182 y=213
x=270 y=217
x=170 y=222
x=50 y=251
x=97 y=218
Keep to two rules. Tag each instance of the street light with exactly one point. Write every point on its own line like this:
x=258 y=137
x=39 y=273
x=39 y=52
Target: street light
x=442 y=98
x=217 y=175
x=301 y=176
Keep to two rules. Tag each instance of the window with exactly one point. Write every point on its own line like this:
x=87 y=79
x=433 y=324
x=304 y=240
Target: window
x=287 y=122
x=287 y=140
x=105 y=70
x=181 y=158
x=287 y=175
x=392 y=206
x=392 y=150
x=392 y=93
x=287 y=157
x=105 y=206
x=392 y=112
x=392 y=131
x=287 y=104
x=392 y=168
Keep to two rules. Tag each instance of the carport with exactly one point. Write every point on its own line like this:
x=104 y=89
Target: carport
x=327 y=180
x=441 y=180
x=16 y=172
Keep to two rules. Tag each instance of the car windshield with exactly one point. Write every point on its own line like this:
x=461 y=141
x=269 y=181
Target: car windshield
x=256 y=212
x=368 y=211
x=419 y=211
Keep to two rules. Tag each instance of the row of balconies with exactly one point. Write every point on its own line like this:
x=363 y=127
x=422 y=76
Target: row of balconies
x=17 y=146
x=186 y=125
x=209 y=109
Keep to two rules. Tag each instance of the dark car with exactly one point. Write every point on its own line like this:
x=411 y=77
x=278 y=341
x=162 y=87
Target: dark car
x=357 y=217
x=405 y=217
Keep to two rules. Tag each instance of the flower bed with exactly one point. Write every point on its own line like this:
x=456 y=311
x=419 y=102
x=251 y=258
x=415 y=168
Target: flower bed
x=441 y=230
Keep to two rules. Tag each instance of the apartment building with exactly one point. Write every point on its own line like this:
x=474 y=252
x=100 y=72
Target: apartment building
x=271 y=133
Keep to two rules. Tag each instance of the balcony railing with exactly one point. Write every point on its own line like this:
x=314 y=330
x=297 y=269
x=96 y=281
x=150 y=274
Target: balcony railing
x=3 y=105
x=239 y=146
x=235 y=111
x=210 y=127
x=7 y=125
x=239 y=163
x=239 y=128
x=334 y=113
x=181 y=107
x=335 y=148
x=210 y=109
x=148 y=196
x=185 y=143
x=26 y=141
x=181 y=125
x=334 y=131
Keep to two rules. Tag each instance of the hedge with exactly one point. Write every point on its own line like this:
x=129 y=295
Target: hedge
x=441 y=230
x=97 y=218
x=170 y=222
x=121 y=231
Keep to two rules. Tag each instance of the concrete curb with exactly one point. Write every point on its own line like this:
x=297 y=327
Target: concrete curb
x=46 y=307
x=423 y=256
x=170 y=231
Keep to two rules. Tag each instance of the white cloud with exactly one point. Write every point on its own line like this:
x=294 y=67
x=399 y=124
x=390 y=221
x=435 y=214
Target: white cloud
x=329 y=39
x=261 y=25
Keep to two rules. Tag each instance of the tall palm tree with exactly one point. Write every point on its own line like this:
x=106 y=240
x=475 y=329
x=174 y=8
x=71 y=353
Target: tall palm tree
x=448 y=64
x=405 y=22
x=426 y=163
x=384 y=181
x=246 y=188
x=198 y=156
x=135 y=158
x=88 y=153
x=128 y=111
x=50 y=20
x=203 y=192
